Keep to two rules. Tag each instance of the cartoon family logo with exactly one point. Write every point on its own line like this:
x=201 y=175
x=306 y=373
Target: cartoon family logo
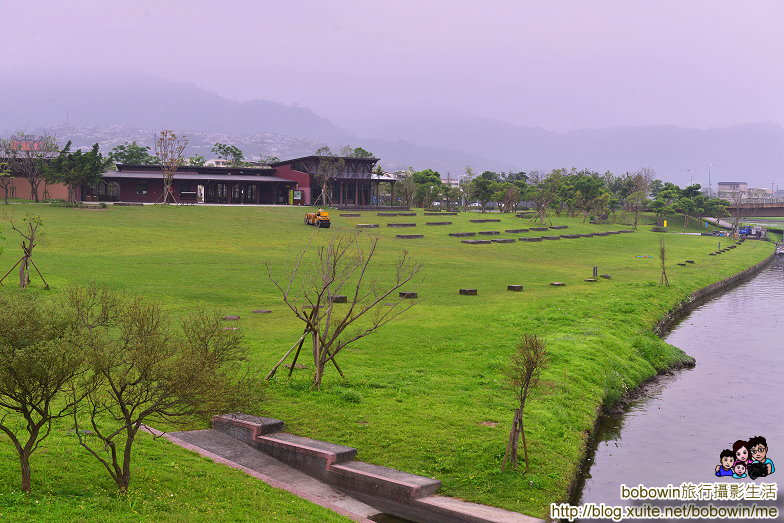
x=738 y=464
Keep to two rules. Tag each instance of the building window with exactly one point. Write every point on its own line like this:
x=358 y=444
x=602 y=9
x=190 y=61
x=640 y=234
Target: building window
x=184 y=186
x=141 y=188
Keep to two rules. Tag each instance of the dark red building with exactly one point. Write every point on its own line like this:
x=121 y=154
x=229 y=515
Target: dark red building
x=297 y=181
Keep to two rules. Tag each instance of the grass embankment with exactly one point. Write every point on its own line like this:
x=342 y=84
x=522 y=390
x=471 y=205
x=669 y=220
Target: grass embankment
x=425 y=394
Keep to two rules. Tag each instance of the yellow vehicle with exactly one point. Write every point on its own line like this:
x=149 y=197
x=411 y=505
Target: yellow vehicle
x=319 y=218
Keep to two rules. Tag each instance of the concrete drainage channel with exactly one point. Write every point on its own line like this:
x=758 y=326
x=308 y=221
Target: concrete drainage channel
x=328 y=474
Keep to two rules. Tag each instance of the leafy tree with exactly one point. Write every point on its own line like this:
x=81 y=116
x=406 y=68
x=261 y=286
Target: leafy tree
x=359 y=152
x=132 y=154
x=268 y=160
x=39 y=363
x=428 y=186
x=142 y=370
x=75 y=169
x=483 y=187
x=229 y=152
x=197 y=160
x=6 y=179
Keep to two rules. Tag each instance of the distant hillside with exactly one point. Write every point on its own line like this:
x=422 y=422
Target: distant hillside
x=112 y=110
x=145 y=102
x=751 y=152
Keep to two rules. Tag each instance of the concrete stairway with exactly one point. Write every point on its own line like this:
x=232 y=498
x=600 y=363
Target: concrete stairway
x=392 y=491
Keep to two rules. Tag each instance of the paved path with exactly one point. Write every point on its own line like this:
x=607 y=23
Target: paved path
x=226 y=450
x=719 y=222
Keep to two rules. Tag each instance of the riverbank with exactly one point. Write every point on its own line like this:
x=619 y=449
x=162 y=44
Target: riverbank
x=426 y=394
x=663 y=327
x=703 y=410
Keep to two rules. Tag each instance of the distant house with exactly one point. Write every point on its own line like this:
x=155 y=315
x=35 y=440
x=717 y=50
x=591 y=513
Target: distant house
x=734 y=190
x=297 y=181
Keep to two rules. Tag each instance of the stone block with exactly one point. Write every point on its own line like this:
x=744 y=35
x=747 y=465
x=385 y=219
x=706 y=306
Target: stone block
x=489 y=233
x=408 y=295
x=366 y=226
x=350 y=215
x=409 y=236
x=468 y=292
x=557 y=284
x=516 y=288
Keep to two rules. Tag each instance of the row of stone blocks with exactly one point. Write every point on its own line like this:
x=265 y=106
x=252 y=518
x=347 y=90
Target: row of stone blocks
x=440 y=214
x=333 y=464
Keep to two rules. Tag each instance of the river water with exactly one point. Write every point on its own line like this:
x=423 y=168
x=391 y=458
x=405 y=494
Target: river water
x=675 y=433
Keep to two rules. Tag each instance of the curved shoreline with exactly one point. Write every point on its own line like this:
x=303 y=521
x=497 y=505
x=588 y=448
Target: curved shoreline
x=661 y=328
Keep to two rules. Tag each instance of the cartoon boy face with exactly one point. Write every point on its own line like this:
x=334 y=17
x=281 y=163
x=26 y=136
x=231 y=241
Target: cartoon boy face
x=727 y=462
x=742 y=454
x=739 y=468
x=759 y=452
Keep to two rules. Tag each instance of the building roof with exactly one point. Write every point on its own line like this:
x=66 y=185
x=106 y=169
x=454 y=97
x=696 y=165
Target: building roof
x=196 y=176
x=372 y=159
x=205 y=169
x=733 y=183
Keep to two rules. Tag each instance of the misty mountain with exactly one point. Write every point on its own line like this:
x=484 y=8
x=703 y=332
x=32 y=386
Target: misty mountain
x=750 y=152
x=114 y=109
x=111 y=110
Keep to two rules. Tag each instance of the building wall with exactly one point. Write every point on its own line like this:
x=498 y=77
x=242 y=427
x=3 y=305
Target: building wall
x=303 y=181
x=53 y=190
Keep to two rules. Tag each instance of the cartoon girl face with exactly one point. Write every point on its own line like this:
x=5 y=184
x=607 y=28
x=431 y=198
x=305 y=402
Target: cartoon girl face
x=742 y=454
x=739 y=468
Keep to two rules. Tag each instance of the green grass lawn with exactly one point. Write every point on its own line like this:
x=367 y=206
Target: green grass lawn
x=425 y=394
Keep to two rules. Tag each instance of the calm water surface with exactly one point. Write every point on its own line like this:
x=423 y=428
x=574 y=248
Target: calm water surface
x=736 y=391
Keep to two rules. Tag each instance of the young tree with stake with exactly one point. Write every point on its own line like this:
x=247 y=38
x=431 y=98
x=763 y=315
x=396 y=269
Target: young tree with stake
x=341 y=267
x=528 y=360
x=169 y=148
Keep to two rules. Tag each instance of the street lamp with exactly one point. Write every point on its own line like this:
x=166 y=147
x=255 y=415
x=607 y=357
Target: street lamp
x=691 y=173
x=710 y=190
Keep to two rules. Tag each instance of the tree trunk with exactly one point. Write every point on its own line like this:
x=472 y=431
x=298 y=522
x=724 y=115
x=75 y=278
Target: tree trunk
x=525 y=444
x=24 y=279
x=24 y=461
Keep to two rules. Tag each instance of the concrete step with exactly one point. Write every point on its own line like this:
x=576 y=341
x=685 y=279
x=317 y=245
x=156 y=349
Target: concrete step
x=308 y=455
x=229 y=451
x=358 y=476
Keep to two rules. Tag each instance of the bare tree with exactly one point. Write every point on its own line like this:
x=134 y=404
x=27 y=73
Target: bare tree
x=28 y=156
x=663 y=280
x=39 y=364
x=28 y=230
x=528 y=360
x=341 y=266
x=143 y=371
x=329 y=166
x=169 y=148
x=640 y=186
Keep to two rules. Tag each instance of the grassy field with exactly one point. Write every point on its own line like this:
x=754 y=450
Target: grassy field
x=425 y=394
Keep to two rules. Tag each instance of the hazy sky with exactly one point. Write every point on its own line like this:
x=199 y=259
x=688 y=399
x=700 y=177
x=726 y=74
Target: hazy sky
x=549 y=63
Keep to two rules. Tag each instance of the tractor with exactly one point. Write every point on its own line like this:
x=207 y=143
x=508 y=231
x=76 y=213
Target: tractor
x=319 y=218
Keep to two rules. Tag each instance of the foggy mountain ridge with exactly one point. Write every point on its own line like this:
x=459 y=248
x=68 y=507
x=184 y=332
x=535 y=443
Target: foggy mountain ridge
x=113 y=110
